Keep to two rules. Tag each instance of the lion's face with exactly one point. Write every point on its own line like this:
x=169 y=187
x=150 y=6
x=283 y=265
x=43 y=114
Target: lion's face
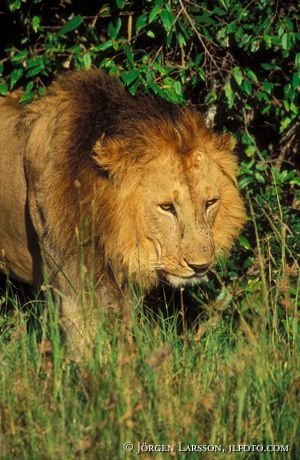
x=176 y=213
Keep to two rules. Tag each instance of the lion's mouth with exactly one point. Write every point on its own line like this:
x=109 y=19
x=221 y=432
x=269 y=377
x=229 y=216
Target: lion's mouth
x=183 y=280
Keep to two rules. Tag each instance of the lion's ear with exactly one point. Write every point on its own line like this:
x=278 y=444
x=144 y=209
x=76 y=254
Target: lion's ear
x=106 y=154
x=224 y=157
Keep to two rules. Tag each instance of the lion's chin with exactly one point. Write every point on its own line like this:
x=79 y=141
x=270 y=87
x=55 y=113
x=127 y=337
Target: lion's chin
x=179 y=281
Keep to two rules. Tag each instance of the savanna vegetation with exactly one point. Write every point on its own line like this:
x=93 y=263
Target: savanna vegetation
x=215 y=366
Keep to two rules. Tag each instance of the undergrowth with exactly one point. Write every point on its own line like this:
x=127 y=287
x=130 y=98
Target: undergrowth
x=225 y=375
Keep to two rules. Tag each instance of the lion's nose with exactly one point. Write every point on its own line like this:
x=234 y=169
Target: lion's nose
x=199 y=269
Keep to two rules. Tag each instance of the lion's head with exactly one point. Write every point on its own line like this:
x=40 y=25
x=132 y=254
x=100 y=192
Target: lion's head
x=172 y=199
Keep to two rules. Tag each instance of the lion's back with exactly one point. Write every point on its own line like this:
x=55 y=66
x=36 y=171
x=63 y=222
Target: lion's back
x=15 y=255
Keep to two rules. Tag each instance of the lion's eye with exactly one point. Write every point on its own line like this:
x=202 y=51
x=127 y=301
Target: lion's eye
x=168 y=207
x=210 y=203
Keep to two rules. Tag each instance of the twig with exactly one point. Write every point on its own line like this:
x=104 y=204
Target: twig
x=200 y=38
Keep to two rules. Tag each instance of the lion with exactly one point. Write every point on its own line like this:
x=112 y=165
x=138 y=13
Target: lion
x=101 y=191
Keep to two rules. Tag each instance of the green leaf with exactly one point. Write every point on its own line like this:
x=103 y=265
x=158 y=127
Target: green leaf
x=3 y=89
x=71 y=25
x=87 y=61
x=252 y=75
x=247 y=87
x=267 y=86
x=34 y=61
x=269 y=67
x=154 y=12
x=115 y=45
x=259 y=177
x=76 y=49
x=114 y=29
x=205 y=19
x=41 y=91
x=20 y=57
x=181 y=40
x=244 y=242
x=202 y=74
x=150 y=34
x=246 y=139
x=155 y=88
x=167 y=20
x=255 y=45
x=15 y=77
x=140 y=22
x=219 y=12
x=245 y=181
x=28 y=93
x=263 y=97
x=104 y=46
x=285 y=41
x=130 y=76
x=129 y=54
x=294 y=108
x=288 y=24
x=237 y=75
x=229 y=93
x=177 y=88
x=26 y=98
x=295 y=181
x=268 y=39
x=105 y=12
x=36 y=22
x=231 y=28
x=296 y=80
x=120 y=4
x=35 y=70
x=29 y=87
x=225 y=4
x=14 y=5
x=285 y=123
x=250 y=150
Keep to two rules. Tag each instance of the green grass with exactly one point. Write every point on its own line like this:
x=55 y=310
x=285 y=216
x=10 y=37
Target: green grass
x=229 y=378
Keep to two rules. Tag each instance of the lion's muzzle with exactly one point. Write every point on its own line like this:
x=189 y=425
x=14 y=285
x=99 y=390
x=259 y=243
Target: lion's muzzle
x=200 y=270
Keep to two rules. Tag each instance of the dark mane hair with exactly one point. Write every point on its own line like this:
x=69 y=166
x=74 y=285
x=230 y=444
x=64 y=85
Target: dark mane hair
x=102 y=106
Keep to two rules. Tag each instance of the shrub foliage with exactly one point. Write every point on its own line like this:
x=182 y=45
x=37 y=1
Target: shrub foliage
x=238 y=61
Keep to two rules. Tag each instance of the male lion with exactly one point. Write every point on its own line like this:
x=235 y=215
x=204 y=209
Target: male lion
x=101 y=190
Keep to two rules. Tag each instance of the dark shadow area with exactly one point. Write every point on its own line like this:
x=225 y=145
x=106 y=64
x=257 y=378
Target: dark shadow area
x=19 y=298
x=164 y=301
x=190 y=306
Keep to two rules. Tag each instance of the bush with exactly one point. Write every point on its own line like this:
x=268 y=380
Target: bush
x=238 y=62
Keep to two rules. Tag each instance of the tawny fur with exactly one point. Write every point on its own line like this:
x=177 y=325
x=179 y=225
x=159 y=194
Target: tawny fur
x=104 y=189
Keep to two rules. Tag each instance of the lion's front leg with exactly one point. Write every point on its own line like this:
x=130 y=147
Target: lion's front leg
x=79 y=312
x=79 y=326
x=83 y=303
